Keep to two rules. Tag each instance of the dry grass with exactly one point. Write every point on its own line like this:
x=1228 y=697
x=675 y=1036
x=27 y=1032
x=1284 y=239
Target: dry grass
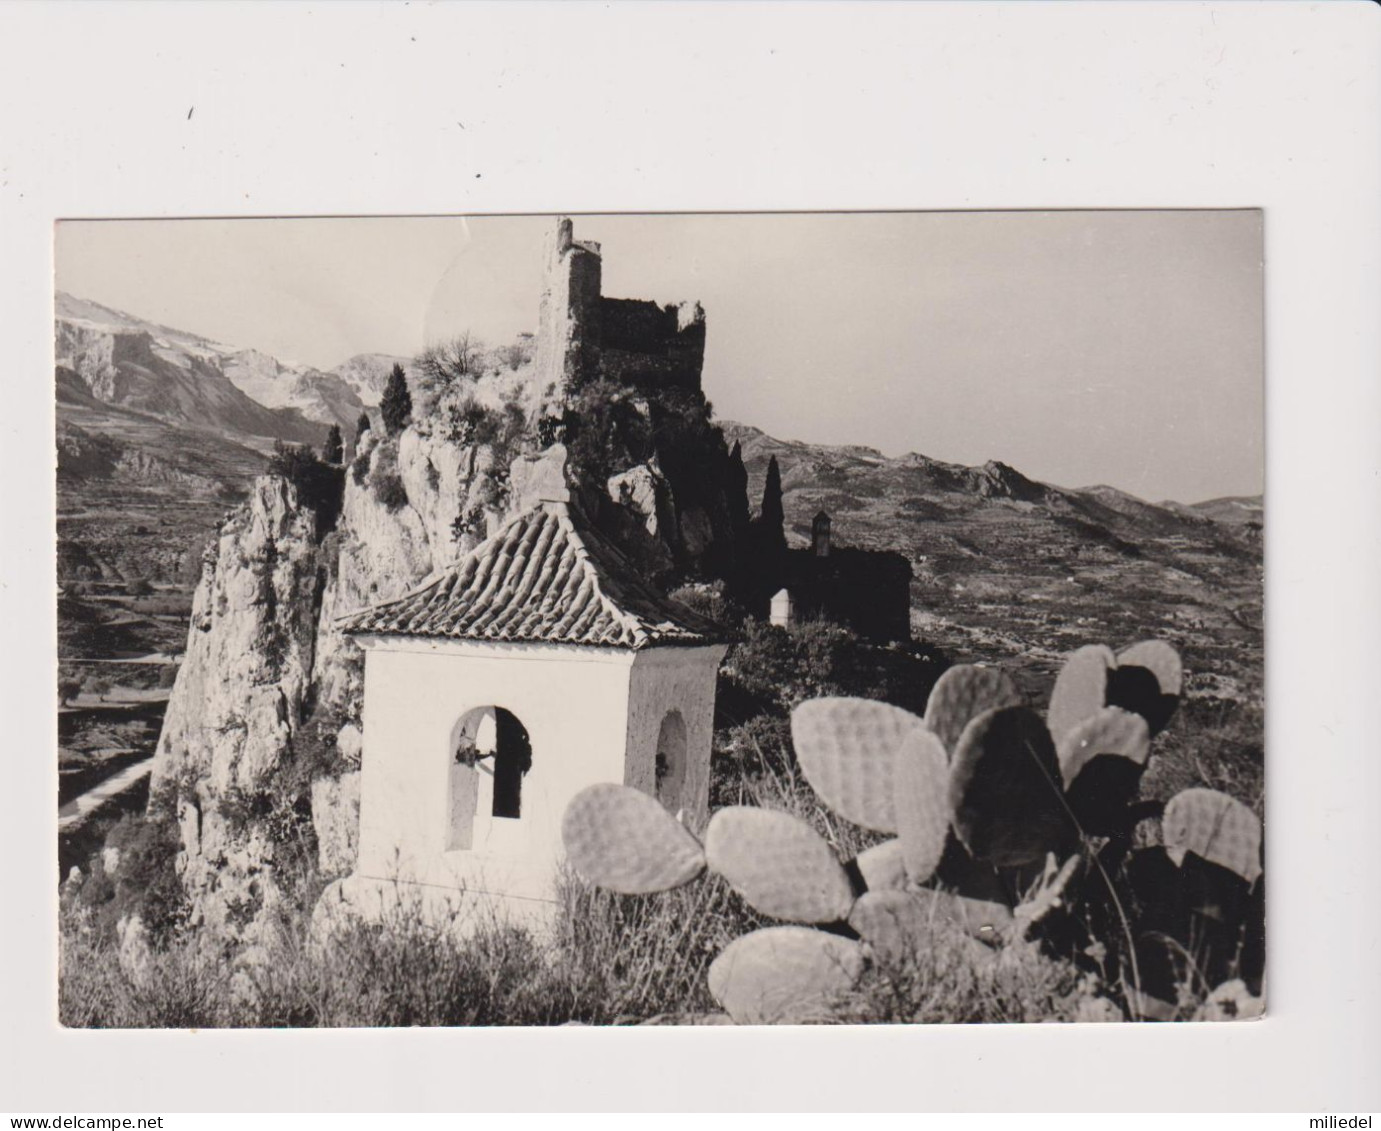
x=614 y=960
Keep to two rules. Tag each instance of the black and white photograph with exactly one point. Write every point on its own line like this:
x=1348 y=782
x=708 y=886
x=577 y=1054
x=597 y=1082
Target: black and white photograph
x=793 y=557
x=832 y=618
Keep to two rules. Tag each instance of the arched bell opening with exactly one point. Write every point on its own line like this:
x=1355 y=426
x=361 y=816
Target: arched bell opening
x=671 y=761
x=491 y=754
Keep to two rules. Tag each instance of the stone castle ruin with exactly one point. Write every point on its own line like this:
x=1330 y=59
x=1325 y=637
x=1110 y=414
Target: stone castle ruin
x=584 y=336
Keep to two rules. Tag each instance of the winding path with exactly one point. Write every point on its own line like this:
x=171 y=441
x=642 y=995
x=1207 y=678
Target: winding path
x=79 y=808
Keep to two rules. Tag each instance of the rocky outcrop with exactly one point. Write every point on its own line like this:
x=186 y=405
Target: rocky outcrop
x=336 y=821
x=242 y=694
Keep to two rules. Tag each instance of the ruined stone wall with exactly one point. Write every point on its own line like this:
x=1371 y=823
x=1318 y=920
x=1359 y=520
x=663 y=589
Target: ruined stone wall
x=869 y=591
x=651 y=346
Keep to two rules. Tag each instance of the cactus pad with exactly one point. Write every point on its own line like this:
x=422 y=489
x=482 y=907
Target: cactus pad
x=963 y=693
x=1005 y=790
x=894 y=924
x=847 y=749
x=883 y=866
x=922 y=802
x=779 y=864
x=1160 y=659
x=1216 y=827
x=1081 y=688
x=1111 y=731
x=623 y=840
x=784 y=974
x=1147 y=680
x=1101 y=761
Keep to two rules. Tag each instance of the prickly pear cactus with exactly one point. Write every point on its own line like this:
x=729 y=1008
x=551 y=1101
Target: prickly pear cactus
x=997 y=816
x=963 y=693
x=779 y=864
x=1004 y=789
x=625 y=841
x=784 y=974
x=847 y=749
x=1216 y=827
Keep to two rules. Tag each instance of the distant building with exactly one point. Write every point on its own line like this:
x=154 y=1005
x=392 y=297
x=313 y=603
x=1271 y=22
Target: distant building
x=868 y=591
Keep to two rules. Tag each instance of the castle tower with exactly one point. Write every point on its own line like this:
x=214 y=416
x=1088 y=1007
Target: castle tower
x=820 y=535
x=568 y=316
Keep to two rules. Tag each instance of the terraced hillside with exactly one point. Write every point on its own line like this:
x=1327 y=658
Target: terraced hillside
x=1012 y=571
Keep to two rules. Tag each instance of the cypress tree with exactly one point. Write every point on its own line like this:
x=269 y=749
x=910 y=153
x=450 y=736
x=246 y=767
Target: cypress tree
x=772 y=518
x=333 y=451
x=396 y=403
x=736 y=488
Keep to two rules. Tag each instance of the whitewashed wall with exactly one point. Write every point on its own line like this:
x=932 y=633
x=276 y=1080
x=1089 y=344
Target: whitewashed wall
x=591 y=715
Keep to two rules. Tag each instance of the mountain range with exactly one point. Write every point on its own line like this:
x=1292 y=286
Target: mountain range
x=158 y=429
x=127 y=362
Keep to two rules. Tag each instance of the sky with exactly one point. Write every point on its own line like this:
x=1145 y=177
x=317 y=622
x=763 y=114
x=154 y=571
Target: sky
x=1113 y=347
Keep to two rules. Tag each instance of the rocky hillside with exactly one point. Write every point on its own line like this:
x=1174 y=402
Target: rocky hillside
x=366 y=374
x=321 y=397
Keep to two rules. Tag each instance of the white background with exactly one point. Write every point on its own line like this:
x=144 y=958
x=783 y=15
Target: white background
x=367 y=109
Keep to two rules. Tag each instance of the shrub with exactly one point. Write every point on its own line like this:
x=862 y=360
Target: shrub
x=319 y=486
x=97 y=685
x=515 y=356
x=604 y=431
x=772 y=669
x=389 y=490
x=144 y=882
x=470 y=423
x=359 y=469
x=139 y=587
x=68 y=689
x=444 y=366
x=387 y=483
x=711 y=601
x=468 y=522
